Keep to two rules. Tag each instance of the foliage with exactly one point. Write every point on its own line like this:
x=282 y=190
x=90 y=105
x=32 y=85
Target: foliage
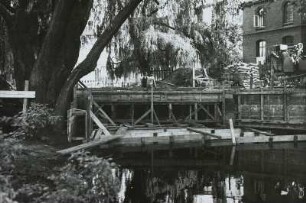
x=84 y=178
x=10 y=150
x=37 y=118
x=158 y=37
x=181 y=77
x=32 y=173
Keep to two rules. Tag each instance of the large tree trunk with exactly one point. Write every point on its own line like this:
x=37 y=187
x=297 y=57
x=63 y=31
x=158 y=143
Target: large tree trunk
x=90 y=61
x=21 y=26
x=60 y=49
x=23 y=40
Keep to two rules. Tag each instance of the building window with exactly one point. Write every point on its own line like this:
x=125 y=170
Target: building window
x=288 y=40
x=288 y=13
x=261 y=47
x=260 y=18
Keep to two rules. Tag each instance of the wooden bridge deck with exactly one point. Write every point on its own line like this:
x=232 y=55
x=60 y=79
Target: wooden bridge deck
x=187 y=95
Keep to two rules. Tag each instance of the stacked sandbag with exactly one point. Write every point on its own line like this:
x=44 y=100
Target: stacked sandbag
x=243 y=73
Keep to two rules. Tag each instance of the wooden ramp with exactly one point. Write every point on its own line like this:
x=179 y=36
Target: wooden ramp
x=90 y=144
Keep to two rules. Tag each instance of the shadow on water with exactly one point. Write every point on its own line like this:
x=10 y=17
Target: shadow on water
x=250 y=173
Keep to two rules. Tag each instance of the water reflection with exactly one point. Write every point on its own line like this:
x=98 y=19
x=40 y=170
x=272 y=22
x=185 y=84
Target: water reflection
x=256 y=173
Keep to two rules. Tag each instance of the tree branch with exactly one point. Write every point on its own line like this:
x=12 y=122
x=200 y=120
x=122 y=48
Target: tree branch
x=164 y=25
x=90 y=62
x=7 y=15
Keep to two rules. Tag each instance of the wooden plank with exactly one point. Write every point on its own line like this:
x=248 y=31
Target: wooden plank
x=261 y=107
x=156 y=118
x=17 y=94
x=195 y=112
x=285 y=107
x=271 y=92
x=99 y=124
x=143 y=116
x=89 y=109
x=239 y=107
x=204 y=133
x=132 y=113
x=25 y=100
x=152 y=103
x=272 y=127
x=223 y=106
x=265 y=139
x=206 y=111
x=261 y=132
x=103 y=140
x=103 y=113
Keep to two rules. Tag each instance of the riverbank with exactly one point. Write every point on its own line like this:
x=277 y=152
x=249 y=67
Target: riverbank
x=31 y=171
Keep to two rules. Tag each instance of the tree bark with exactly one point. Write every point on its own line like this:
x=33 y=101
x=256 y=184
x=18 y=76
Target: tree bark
x=90 y=61
x=60 y=49
x=70 y=52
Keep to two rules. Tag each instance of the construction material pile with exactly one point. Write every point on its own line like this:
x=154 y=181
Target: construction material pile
x=243 y=74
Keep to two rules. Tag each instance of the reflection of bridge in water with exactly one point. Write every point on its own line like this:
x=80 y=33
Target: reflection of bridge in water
x=257 y=173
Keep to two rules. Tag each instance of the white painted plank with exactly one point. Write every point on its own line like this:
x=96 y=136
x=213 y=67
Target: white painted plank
x=17 y=94
x=99 y=124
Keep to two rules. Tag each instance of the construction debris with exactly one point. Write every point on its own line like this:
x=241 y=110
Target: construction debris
x=243 y=74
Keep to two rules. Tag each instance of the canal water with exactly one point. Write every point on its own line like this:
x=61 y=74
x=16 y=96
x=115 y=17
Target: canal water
x=197 y=174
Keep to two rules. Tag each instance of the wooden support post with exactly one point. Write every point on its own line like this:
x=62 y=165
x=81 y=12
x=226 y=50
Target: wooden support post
x=25 y=100
x=143 y=116
x=170 y=111
x=196 y=111
x=104 y=114
x=239 y=107
x=261 y=107
x=223 y=106
x=232 y=131
x=190 y=112
x=89 y=121
x=219 y=111
x=206 y=111
x=132 y=113
x=98 y=123
x=113 y=110
x=285 y=107
x=158 y=123
x=86 y=124
x=216 y=111
x=152 y=104
x=69 y=124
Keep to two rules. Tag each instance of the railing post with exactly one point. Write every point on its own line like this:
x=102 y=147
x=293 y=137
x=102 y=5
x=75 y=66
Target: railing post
x=25 y=100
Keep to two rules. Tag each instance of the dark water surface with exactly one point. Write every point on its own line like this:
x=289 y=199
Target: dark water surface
x=249 y=173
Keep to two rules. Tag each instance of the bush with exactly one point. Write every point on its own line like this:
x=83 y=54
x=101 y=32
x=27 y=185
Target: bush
x=31 y=123
x=85 y=178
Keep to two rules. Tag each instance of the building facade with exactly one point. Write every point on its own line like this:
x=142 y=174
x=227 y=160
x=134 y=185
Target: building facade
x=267 y=23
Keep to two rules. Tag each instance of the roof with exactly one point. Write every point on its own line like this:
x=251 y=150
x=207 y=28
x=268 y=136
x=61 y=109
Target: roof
x=250 y=3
